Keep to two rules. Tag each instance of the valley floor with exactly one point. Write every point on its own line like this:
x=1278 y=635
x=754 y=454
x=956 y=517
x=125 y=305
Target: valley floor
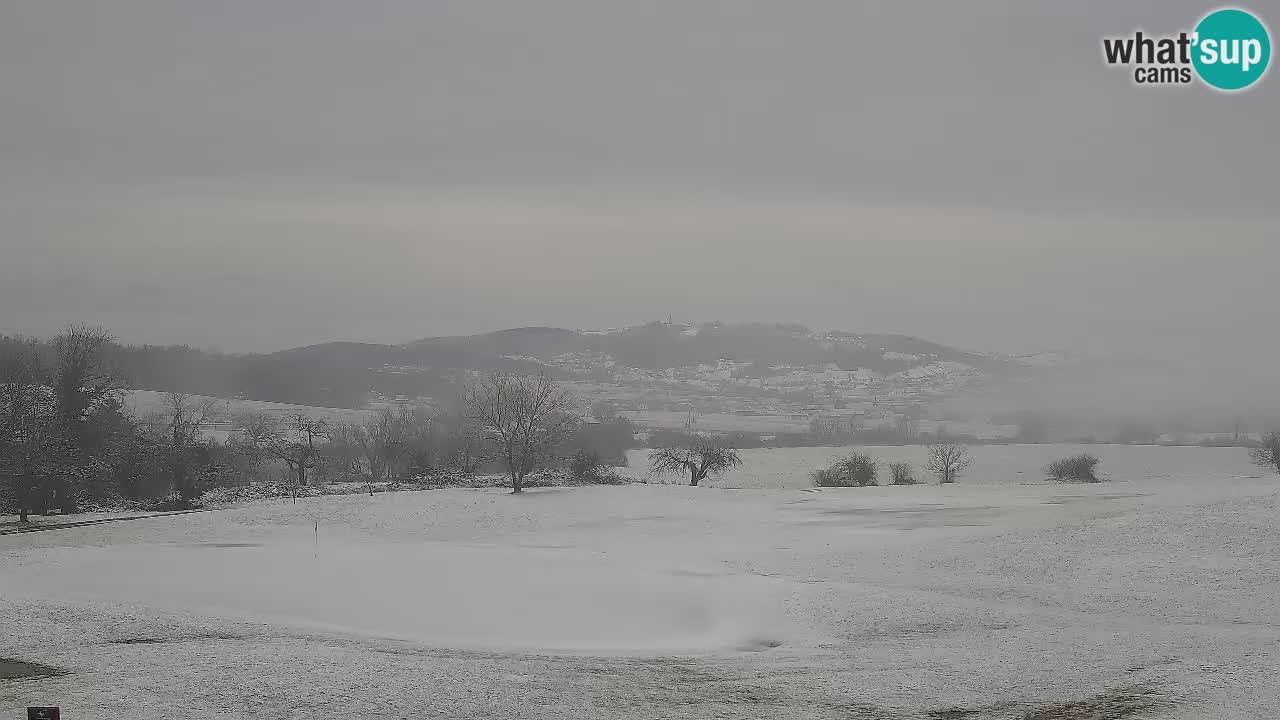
x=1150 y=598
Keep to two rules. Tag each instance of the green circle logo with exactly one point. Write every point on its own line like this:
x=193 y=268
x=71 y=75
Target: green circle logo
x=1231 y=49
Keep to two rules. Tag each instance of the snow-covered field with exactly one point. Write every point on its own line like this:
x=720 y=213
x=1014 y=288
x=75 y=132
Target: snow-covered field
x=218 y=426
x=718 y=422
x=144 y=401
x=1001 y=597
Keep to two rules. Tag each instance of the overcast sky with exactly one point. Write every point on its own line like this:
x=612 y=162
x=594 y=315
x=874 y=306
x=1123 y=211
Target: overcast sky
x=253 y=176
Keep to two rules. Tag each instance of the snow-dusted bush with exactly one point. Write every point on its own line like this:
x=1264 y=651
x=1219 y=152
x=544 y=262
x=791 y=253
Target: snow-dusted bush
x=170 y=503
x=1267 y=453
x=586 y=467
x=902 y=473
x=1078 y=468
x=856 y=470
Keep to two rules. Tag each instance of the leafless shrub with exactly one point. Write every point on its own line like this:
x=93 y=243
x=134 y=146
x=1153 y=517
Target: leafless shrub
x=902 y=473
x=587 y=468
x=1077 y=468
x=856 y=470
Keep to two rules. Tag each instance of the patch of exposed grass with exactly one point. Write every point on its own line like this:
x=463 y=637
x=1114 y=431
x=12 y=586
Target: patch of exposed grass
x=952 y=714
x=857 y=710
x=163 y=640
x=1000 y=710
x=1116 y=704
x=11 y=669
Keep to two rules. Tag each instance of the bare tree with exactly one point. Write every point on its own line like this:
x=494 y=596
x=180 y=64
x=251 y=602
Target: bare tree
x=184 y=415
x=948 y=460
x=26 y=425
x=300 y=452
x=422 y=438
x=527 y=416
x=698 y=456
x=382 y=437
x=1267 y=453
x=344 y=451
x=81 y=379
x=256 y=434
x=468 y=448
x=296 y=442
x=258 y=428
x=22 y=381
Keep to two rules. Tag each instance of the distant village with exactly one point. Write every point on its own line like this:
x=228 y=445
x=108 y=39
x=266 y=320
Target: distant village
x=778 y=398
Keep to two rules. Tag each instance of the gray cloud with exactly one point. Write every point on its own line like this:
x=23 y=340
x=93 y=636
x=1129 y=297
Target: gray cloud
x=255 y=175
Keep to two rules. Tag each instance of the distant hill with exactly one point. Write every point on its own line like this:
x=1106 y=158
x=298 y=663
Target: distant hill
x=653 y=346
x=756 y=360
x=749 y=359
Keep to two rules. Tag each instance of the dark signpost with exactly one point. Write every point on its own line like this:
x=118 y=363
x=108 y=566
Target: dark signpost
x=43 y=713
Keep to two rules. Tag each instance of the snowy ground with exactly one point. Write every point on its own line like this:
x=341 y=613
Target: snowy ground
x=218 y=427
x=717 y=422
x=995 y=600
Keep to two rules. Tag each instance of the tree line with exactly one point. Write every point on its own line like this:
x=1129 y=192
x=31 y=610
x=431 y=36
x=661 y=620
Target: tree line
x=69 y=442
x=273 y=377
